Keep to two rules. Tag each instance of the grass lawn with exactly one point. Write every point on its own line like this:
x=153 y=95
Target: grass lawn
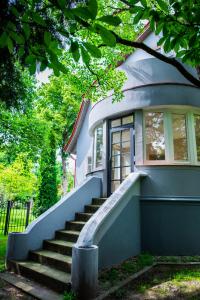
x=3 y=241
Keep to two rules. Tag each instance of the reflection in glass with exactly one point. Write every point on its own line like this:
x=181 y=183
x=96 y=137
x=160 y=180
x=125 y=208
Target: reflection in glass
x=155 y=140
x=125 y=135
x=98 y=146
x=197 y=134
x=125 y=172
x=116 y=123
x=126 y=147
x=179 y=137
x=116 y=161
x=114 y=185
x=127 y=120
x=126 y=159
x=116 y=149
x=116 y=137
x=116 y=174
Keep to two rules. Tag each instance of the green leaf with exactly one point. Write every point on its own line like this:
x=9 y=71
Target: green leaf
x=85 y=56
x=161 y=41
x=163 y=5
x=159 y=27
x=27 y=30
x=38 y=19
x=30 y=59
x=138 y=17
x=167 y=45
x=74 y=49
x=82 y=12
x=32 y=68
x=47 y=38
x=43 y=66
x=94 y=51
x=18 y=38
x=108 y=38
x=111 y=20
x=93 y=7
x=15 y=11
x=3 y=39
x=10 y=44
x=144 y=3
x=61 y=3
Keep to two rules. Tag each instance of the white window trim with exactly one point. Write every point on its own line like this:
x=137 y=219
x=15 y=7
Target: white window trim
x=168 y=133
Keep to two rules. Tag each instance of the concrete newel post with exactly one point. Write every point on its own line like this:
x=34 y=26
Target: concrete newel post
x=85 y=271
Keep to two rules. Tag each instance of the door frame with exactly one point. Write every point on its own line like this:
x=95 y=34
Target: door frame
x=109 y=149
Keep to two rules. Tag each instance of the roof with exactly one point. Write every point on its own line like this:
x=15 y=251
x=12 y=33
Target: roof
x=69 y=147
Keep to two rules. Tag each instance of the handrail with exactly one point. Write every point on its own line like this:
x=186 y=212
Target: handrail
x=108 y=212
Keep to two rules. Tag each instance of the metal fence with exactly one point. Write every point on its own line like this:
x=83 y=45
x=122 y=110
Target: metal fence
x=14 y=216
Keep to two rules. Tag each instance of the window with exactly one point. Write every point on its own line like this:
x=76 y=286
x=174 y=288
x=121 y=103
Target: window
x=155 y=140
x=98 y=146
x=169 y=137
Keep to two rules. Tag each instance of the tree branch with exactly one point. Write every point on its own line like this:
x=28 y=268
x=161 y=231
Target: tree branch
x=166 y=59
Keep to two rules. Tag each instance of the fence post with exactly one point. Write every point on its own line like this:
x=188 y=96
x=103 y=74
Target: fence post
x=28 y=212
x=9 y=205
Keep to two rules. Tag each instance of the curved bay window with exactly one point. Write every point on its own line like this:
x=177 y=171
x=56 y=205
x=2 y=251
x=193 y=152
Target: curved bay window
x=172 y=137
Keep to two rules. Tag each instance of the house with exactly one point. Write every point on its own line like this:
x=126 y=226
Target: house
x=137 y=181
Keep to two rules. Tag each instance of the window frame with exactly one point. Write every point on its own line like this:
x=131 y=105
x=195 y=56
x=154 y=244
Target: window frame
x=168 y=134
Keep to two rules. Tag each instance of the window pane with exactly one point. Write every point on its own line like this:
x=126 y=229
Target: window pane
x=126 y=159
x=126 y=147
x=114 y=185
x=99 y=145
x=197 y=134
x=127 y=120
x=125 y=172
x=116 y=161
x=116 y=137
x=116 y=123
x=155 y=139
x=116 y=174
x=126 y=135
x=116 y=149
x=179 y=137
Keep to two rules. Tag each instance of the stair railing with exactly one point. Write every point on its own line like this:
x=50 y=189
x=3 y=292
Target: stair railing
x=85 y=254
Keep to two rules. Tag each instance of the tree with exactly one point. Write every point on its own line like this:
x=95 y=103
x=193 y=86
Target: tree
x=47 y=195
x=36 y=32
x=17 y=180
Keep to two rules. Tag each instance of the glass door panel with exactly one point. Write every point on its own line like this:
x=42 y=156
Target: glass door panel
x=121 y=151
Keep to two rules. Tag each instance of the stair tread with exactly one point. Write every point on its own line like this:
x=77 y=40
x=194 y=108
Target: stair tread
x=60 y=242
x=77 y=222
x=85 y=213
x=93 y=205
x=70 y=231
x=47 y=271
x=54 y=255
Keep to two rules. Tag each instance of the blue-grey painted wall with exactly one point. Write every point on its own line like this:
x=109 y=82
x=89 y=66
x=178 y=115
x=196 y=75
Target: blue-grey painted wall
x=122 y=240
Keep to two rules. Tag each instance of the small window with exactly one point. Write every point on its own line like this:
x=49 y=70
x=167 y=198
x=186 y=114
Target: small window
x=179 y=137
x=98 y=146
x=155 y=139
x=127 y=120
x=197 y=135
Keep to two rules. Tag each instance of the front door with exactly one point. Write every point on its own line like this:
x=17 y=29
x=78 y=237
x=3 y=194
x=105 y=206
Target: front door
x=121 y=151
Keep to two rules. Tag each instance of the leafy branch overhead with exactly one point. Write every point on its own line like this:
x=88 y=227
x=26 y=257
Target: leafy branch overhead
x=37 y=32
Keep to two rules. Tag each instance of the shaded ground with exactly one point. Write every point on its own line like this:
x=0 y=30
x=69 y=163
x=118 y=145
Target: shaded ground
x=163 y=283
x=8 y=292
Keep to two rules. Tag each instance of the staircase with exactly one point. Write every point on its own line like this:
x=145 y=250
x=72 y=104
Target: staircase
x=51 y=265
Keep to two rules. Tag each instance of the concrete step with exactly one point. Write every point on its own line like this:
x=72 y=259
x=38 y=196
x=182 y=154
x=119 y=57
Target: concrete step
x=75 y=225
x=83 y=216
x=98 y=201
x=54 y=279
x=91 y=208
x=67 y=235
x=59 y=246
x=52 y=259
